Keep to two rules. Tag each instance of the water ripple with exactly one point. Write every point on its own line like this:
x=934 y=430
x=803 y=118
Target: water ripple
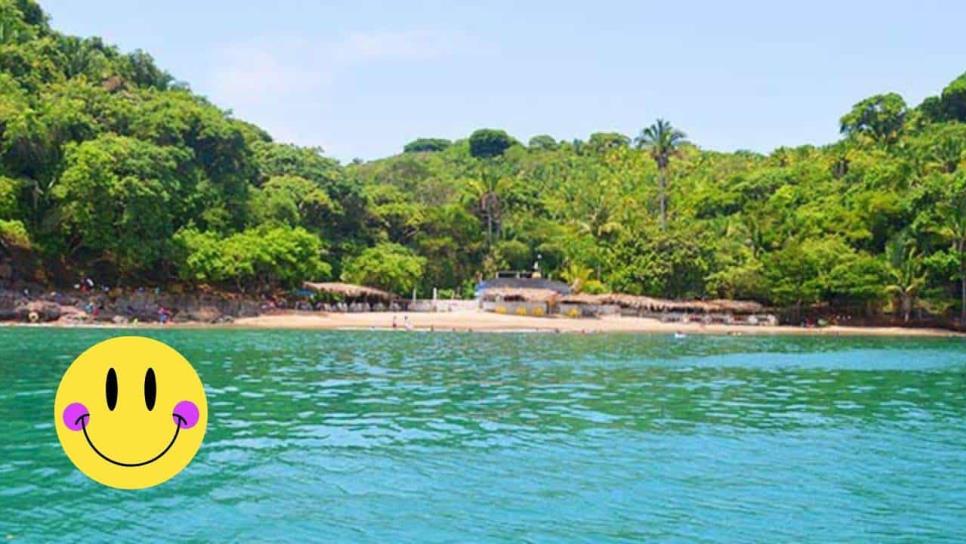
x=379 y=436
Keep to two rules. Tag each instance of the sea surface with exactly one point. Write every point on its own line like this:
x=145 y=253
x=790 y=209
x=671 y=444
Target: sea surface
x=461 y=437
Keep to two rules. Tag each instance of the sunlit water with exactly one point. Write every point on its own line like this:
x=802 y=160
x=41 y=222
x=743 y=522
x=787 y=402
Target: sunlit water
x=393 y=437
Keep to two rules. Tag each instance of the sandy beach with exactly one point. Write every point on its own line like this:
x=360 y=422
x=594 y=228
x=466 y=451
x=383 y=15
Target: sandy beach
x=479 y=321
x=491 y=322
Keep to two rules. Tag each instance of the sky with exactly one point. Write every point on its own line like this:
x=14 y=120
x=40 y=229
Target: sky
x=361 y=78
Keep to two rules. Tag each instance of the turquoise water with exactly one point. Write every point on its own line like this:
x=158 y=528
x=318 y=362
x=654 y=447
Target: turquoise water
x=395 y=437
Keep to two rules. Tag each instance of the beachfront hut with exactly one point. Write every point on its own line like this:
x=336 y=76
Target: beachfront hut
x=586 y=305
x=518 y=301
x=338 y=296
x=521 y=280
x=724 y=311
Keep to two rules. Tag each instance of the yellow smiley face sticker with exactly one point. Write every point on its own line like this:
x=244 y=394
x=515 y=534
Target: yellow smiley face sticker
x=130 y=412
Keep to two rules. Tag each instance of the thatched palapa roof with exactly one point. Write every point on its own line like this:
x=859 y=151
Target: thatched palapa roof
x=515 y=294
x=663 y=305
x=582 y=298
x=738 y=306
x=349 y=290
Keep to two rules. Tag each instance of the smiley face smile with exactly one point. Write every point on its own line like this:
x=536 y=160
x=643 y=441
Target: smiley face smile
x=180 y=422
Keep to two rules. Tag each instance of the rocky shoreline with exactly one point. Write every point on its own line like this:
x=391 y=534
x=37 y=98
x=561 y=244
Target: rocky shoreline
x=119 y=306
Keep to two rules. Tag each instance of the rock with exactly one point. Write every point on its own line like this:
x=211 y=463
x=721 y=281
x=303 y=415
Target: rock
x=38 y=310
x=204 y=314
x=72 y=314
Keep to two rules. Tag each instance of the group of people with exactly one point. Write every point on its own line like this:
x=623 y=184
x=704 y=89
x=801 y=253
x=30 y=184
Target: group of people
x=406 y=323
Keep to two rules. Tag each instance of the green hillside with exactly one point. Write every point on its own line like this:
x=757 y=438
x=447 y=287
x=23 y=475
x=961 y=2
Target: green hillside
x=112 y=168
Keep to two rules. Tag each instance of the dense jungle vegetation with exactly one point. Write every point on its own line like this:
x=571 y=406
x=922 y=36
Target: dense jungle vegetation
x=109 y=167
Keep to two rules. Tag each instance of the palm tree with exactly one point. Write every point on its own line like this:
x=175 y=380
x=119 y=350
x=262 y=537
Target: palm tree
x=953 y=228
x=488 y=194
x=576 y=275
x=661 y=140
x=908 y=276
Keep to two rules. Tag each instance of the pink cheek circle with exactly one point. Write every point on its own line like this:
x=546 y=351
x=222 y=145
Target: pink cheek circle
x=73 y=416
x=186 y=414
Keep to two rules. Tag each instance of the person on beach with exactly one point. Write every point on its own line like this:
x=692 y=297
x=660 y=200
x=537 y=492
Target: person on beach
x=394 y=325
x=407 y=324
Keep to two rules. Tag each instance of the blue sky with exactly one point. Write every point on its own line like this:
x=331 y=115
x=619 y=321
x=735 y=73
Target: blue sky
x=362 y=78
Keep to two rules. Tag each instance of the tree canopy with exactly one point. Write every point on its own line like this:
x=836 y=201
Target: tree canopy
x=110 y=167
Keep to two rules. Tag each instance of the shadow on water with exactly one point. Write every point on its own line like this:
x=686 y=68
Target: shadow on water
x=388 y=435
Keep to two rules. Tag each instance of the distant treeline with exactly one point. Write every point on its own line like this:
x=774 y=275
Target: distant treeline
x=111 y=168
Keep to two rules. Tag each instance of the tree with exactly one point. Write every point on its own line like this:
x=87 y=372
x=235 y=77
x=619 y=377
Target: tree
x=576 y=275
x=661 y=140
x=264 y=257
x=427 y=145
x=660 y=263
x=13 y=234
x=952 y=213
x=513 y=254
x=488 y=194
x=342 y=218
x=953 y=100
x=9 y=193
x=907 y=274
x=542 y=142
x=880 y=117
x=451 y=239
x=800 y=273
x=115 y=202
x=488 y=143
x=387 y=266
x=600 y=142
x=394 y=212
x=292 y=200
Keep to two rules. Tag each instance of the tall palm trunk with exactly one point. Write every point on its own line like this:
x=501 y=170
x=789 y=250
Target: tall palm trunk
x=662 y=187
x=487 y=204
x=489 y=222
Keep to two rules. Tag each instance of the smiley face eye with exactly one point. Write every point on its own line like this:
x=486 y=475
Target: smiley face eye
x=110 y=389
x=150 y=389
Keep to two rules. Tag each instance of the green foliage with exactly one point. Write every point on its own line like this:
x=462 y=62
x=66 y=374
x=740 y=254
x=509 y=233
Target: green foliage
x=487 y=143
x=951 y=103
x=116 y=200
x=513 y=255
x=108 y=167
x=291 y=200
x=661 y=140
x=264 y=256
x=13 y=233
x=741 y=281
x=388 y=266
x=9 y=198
x=543 y=142
x=600 y=142
x=661 y=264
x=426 y=145
x=908 y=275
x=880 y=117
